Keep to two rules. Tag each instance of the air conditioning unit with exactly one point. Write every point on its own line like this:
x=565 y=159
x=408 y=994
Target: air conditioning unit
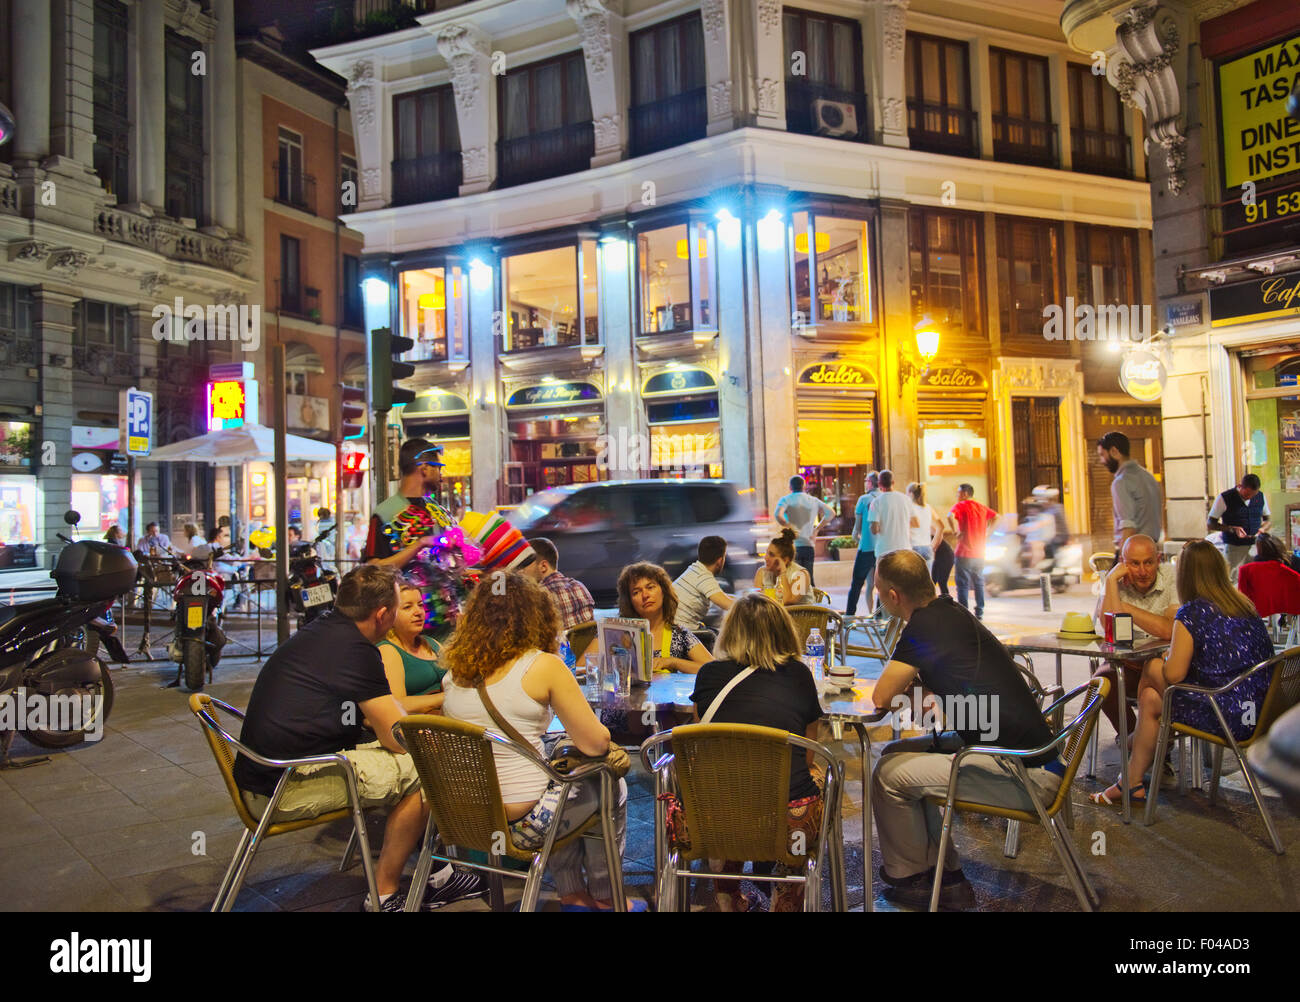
x=835 y=118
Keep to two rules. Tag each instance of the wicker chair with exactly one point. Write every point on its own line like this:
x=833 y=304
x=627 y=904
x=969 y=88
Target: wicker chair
x=1283 y=693
x=581 y=637
x=458 y=772
x=1071 y=743
x=256 y=831
x=824 y=618
x=882 y=638
x=733 y=782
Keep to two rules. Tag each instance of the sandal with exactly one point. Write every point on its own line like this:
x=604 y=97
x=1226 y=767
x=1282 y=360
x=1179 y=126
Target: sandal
x=1101 y=798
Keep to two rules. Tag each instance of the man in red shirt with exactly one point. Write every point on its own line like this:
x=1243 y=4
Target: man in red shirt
x=970 y=520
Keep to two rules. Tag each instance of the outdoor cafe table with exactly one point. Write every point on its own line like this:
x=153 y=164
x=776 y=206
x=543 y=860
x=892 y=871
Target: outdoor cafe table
x=854 y=708
x=1141 y=650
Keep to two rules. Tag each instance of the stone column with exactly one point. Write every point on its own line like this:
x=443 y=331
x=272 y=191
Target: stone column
x=52 y=328
x=1058 y=83
x=733 y=361
x=898 y=408
x=604 y=46
x=365 y=97
x=31 y=46
x=884 y=40
x=716 y=15
x=487 y=422
x=623 y=421
x=981 y=66
x=466 y=50
x=770 y=316
x=223 y=85
x=73 y=99
x=765 y=82
x=149 y=97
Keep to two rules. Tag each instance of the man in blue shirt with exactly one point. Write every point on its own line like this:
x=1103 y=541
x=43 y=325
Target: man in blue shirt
x=864 y=565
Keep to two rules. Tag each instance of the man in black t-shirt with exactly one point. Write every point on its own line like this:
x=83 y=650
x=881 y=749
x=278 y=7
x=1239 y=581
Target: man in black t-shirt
x=948 y=653
x=311 y=698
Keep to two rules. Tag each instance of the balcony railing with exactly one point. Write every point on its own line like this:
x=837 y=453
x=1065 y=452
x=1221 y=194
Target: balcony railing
x=566 y=150
x=1024 y=141
x=168 y=238
x=942 y=128
x=670 y=122
x=1094 y=152
x=804 y=113
x=426 y=179
x=294 y=187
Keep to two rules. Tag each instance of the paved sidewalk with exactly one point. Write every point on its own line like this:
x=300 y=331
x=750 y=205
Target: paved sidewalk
x=142 y=821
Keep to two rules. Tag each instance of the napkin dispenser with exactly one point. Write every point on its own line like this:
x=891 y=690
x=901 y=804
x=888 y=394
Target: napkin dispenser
x=1118 y=629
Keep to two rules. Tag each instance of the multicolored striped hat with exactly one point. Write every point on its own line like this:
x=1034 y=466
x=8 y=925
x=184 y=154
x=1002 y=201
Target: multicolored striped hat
x=504 y=547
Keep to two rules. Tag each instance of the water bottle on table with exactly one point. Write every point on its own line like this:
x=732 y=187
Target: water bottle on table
x=814 y=652
x=566 y=652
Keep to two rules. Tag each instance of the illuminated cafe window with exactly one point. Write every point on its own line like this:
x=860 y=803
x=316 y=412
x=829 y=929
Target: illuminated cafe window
x=836 y=252
x=431 y=317
x=543 y=306
x=676 y=279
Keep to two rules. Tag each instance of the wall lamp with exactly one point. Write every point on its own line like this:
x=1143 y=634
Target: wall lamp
x=927 y=347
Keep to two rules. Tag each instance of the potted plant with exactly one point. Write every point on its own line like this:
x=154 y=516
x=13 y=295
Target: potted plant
x=314 y=314
x=837 y=544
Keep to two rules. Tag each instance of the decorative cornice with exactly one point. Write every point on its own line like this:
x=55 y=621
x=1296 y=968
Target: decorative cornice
x=1147 y=73
x=714 y=15
x=466 y=50
x=769 y=16
x=720 y=99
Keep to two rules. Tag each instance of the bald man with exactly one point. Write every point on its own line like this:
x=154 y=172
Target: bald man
x=1140 y=585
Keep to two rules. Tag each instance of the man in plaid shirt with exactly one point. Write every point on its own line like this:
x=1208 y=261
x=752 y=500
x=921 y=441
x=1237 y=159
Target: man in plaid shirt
x=572 y=600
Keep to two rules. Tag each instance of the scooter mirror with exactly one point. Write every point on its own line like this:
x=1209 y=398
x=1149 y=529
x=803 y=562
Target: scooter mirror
x=72 y=517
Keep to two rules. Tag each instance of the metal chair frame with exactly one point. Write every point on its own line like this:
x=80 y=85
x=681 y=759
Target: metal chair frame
x=1288 y=659
x=252 y=838
x=1047 y=816
x=828 y=634
x=673 y=880
x=1025 y=663
x=883 y=635
x=539 y=857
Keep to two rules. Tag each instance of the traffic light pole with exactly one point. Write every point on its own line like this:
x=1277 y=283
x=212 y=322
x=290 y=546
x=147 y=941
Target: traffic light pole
x=379 y=467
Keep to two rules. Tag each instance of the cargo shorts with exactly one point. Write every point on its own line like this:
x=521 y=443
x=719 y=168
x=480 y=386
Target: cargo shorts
x=384 y=779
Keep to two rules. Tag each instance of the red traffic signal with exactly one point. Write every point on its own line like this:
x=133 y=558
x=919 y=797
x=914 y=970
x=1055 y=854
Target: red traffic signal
x=353 y=469
x=354 y=412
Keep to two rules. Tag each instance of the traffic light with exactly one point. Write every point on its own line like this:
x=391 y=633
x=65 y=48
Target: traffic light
x=386 y=370
x=353 y=469
x=354 y=412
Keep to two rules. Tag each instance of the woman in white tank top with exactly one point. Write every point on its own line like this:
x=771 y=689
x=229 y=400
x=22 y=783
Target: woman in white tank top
x=507 y=642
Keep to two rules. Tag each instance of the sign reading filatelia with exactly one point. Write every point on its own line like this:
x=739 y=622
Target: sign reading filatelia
x=1143 y=376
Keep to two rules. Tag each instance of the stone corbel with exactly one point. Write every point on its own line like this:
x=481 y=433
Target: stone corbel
x=717 y=63
x=68 y=262
x=604 y=47
x=186 y=17
x=363 y=99
x=1147 y=69
x=466 y=50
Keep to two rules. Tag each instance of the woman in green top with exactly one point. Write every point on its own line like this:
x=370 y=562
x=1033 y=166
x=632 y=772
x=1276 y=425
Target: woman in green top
x=411 y=659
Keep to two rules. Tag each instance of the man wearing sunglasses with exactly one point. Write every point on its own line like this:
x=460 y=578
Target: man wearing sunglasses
x=405 y=522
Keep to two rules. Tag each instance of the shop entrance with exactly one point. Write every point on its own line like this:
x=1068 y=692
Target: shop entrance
x=1036 y=431
x=1142 y=426
x=550 y=451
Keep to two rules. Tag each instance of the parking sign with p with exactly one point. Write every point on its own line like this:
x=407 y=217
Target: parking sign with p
x=135 y=416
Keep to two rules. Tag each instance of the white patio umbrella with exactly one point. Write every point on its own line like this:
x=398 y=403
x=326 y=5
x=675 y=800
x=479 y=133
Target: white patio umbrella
x=234 y=446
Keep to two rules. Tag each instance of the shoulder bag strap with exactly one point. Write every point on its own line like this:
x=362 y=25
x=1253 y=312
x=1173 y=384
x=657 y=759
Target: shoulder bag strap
x=717 y=700
x=501 y=721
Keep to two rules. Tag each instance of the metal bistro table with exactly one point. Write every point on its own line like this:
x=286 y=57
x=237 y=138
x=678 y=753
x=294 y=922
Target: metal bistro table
x=1141 y=650
x=854 y=708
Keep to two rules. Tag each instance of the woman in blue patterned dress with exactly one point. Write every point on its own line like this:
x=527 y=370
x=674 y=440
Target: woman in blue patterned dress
x=1218 y=635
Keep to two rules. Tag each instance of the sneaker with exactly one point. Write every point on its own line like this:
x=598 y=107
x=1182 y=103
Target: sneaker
x=460 y=886
x=392 y=903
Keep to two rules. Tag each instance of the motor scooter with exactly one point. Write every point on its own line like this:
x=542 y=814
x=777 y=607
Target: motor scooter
x=311 y=587
x=198 y=639
x=1010 y=560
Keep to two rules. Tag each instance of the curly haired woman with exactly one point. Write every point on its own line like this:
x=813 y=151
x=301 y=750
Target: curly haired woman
x=505 y=639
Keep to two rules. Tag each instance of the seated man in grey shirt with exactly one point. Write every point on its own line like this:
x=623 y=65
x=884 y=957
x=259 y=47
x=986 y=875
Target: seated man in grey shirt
x=1140 y=585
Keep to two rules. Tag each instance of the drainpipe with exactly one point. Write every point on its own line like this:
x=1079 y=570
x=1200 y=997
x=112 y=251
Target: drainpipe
x=1205 y=437
x=338 y=353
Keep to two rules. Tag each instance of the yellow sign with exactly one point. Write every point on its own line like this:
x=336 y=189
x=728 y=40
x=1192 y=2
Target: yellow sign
x=227 y=400
x=1260 y=140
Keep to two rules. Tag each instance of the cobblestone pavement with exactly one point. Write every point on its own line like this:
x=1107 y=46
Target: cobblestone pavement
x=142 y=821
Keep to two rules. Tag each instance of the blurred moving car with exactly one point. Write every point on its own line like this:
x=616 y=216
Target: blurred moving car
x=600 y=528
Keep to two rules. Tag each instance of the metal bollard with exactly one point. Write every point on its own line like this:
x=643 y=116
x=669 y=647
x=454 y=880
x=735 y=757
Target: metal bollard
x=1045 y=587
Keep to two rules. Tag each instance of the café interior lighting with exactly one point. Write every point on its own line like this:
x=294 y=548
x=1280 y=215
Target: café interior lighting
x=822 y=241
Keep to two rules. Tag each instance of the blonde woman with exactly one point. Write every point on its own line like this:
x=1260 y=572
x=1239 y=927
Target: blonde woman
x=759 y=634
x=789 y=583
x=1217 y=636
x=410 y=658
x=927 y=534
x=505 y=640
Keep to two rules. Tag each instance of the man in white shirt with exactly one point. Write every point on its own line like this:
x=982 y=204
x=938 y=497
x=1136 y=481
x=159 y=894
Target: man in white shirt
x=891 y=518
x=697 y=588
x=804 y=514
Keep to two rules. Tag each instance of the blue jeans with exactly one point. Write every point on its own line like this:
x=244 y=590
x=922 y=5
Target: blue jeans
x=926 y=553
x=864 y=567
x=970 y=574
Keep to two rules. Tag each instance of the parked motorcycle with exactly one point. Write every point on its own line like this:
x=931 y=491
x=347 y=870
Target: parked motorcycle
x=198 y=639
x=1011 y=560
x=37 y=652
x=311 y=588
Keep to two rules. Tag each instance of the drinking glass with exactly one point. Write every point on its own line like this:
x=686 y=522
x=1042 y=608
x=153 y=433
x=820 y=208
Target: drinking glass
x=622 y=673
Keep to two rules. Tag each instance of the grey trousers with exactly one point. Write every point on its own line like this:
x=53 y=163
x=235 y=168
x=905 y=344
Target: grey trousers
x=909 y=826
x=567 y=863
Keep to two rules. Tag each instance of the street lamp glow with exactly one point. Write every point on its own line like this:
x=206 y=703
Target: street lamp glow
x=728 y=228
x=771 y=231
x=927 y=344
x=375 y=291
x=480 y=275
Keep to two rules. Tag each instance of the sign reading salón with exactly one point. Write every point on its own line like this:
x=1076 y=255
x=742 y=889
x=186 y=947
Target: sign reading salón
x=952 y=377
x=837 y=375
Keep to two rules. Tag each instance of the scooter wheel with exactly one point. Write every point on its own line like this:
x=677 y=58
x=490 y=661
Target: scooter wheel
x=195 y=665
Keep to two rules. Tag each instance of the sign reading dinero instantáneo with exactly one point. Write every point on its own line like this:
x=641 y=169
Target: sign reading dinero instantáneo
x=953 y=377
x=1257 y=299
x=1260 y=140
x=553 y=393
x=837 y=374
